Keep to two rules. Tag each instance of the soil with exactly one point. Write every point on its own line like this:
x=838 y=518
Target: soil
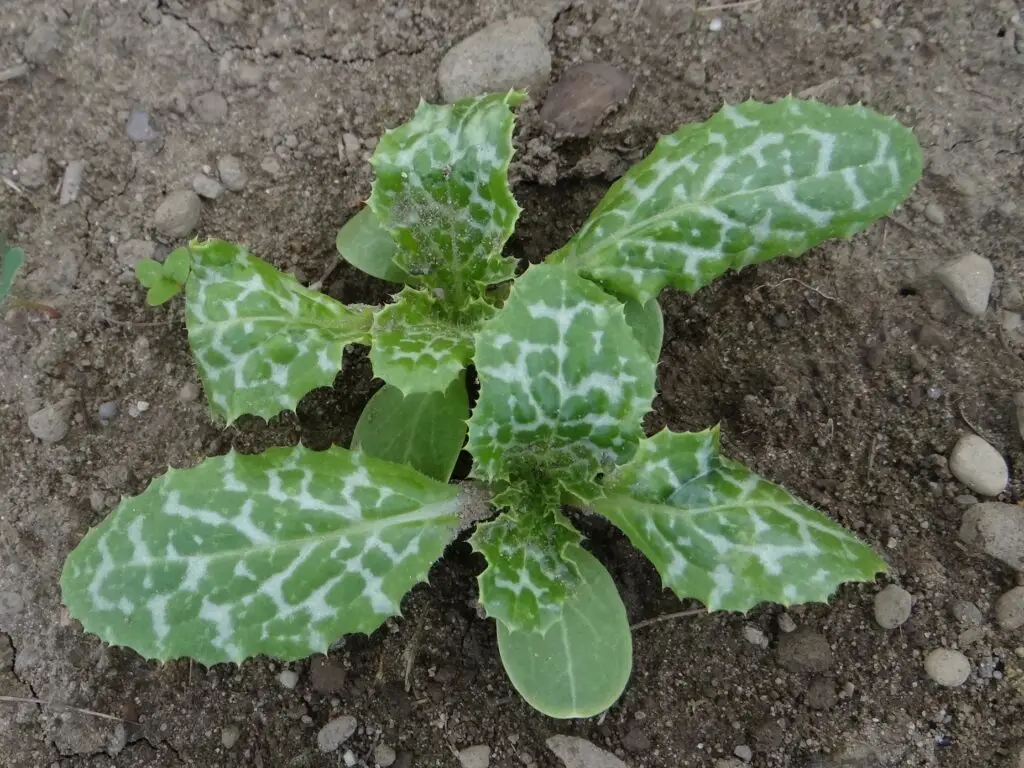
x=846 y=375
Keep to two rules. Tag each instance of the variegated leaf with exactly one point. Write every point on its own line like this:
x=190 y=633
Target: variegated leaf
x=261 y=340
x=442 y=190
x=754 y=182
x=719 y=533
x=564 y=385
x=420 y=345
x=276 y=554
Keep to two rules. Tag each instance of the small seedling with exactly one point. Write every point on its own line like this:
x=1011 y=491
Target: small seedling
x=282 y=552
x=11 y=261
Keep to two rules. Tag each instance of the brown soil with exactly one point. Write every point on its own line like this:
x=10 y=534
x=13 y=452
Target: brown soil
x=817 y=369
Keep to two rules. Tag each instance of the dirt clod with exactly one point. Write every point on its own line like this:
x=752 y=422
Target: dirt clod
x=178 y=214
x=583 y=96
x=804 y=650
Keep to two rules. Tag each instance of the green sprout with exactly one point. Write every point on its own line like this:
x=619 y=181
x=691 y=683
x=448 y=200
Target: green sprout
x=11 y=261
x=282 y=552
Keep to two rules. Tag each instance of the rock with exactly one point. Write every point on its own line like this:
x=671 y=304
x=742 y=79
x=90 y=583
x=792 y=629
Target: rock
x=575 y=752
x=892 y=606
x=350 y=148
x=336 y=733
x=231 y=173
x=583 y=96
x=508 y=54
x=71 y=182
x=326 y=675
x=969 y=281
x=384 y=756
x=786 y=623
x=934 y=213
x=744 y=753
x=979 y=466
x=11 y=604
x=804 y=651
x=755 y=636
x=131 y=252
x=1012 y=324
x=478 y=756
x=728 y=762
x=966 y=612
x=289 y=678
x=189 y=392
x=206 y=187
x=138 y=128
x=695 y=75
x=1012 y=298
x=821 y=693
x=271 y=166
x=108 y=411
x=996 y=529
x=230 y=735
x=52 y=423
x=210 y=107
x=42 y=45
x=1010 y=609
x=947 y=667
x=636 y=740
x=178 y=214
x=32 y=171
x=117 y=740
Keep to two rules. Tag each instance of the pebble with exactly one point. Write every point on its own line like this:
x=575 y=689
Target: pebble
x=892 y=607
x=229 y=736
x=979 y=466
x=231 y=173
x=947 y=667
x=1012 y=298
x=11 y=604
x=728 y=762
x=804 y=651
x=996 y=529
x=42 y=44
x=206 y=187
x=189 y=392
x=210 y=107
x=507 y=54
x=786 y=623
x=289 y=678
x=326 y=675
x=934 y=213
x=755 y=636
x=109 y=410
x=336 y=733
x=52 y=423
x=696 y=75
x=478 y=756
x=32 y=171
x=969 y=282
x=1010 y=609
x=636 y=740
x=575 y=752
x=270 y=165
x=139 y=128
x=744 y=753
x=384 y=756
x=966 y=612
x=178 y=214
x=71 y=182
x=583 y=96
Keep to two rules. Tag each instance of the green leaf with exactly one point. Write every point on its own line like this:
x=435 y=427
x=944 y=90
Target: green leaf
x=177 y=265
x=367 y=246
x=162 y=291
x=564 y=385
x=418 y=346
x=276 y=554
x=528 y=575
x=754 y=182
x=442 y=191
x=719 y=533
x=11 y=260
x=149 y=272
x=647 y=324
x=580 y=666
x=261 y=340
x=424 y=431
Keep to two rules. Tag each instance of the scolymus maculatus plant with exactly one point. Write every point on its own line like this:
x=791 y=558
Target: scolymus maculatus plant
x=283 y=552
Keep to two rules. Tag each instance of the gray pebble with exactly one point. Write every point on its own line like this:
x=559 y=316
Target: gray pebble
x=947 y=667
x=229 y=736
x=178 y=214
x=349 y=148
x=139 y=128
x=996 y=529
x=979 y=466
x=966 y=612
x=892 y=607
x=210 y=107
x=934 y=213
x=52 y=423
x=71 y=183
x=1012 y=298
x=695 y=75
x=231 y=173
x=744 y=753
x=804 y=651
x=583 y=96
x=336 y=733
x=42 y=45
x=755 y=636
x=969 y=282
x=131 y=252
x=507 y=54
x=575 y=752
x=289 y=678
x=271 y=166
x=109 y=410
x=786 y=623
x=728 y=762
x=32 y=171
x=384 y=756
x=478 y=756
x=206 y=187
x=189 y=392
x=11 y=604
x=1010 y=609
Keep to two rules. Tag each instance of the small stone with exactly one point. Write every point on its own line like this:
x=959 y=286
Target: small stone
x=326 y=675
x=507 y=54
x=1012 y=298
x=189 y=392
x=1010 y=609
x=996 y=529
x=178 y=214
x=583 y=96
x=969 y=282
x=695 y=75
x=11 y=604
x=32 y=171
x=979 y=466
x=728 y=762
x=71 y=182
x=131 y=252
x=934 y=213
x=230 y=735
x=210 y=107
x=786 y=623
x=289 y=678
x=336 y=733
x=804 y=651
x=52 y=423
x=139 y=128
x=349 y=758
x=206 y=187
x=966 y=612
x=892 y=607
x=271 y=166
x=575 y=752
x=108 y=411
x=636 y=740
x=821 y=694
x=384 y=756
x=947 y=667
x=478 y=756
x=744 y=753
x=755 y=636
x=42 y=44
x=350 y=147
x=231 y=173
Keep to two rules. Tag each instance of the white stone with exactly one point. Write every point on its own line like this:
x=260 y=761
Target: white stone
x=289 y=678
x=996 y=529
x=969 y=281
x=1010 y=609
x=478 y=756
x=335 y=733
x=947 y=667
x=979 y=466
x=575 y=752
x=755 y=636
x=892 y=607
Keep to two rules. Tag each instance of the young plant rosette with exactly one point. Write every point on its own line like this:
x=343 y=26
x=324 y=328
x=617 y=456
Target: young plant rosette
x=283 y=552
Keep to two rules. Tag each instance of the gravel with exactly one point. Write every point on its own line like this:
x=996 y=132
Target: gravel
x=892 y=607
x=804 y=651
x=139 y=127
x=947 y=667
x=178 y=214
x=966 y=612
x=1010 y=609
x=108 y=411
x=231 y=173
x=229 y=736
x=583 y=96
x=289 y=678
x=210 y=107
x=979 y=466
x=32 y=171
x=969 y=281
x=206 y=187
x=508 y=54
x=575 y=752
x=478 y=756
x=52 y=423
x=996 y=529
x=384 y=756
x=335 y=733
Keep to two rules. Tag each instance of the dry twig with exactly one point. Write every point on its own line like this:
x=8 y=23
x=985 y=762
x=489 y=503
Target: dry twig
x=667 y=617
